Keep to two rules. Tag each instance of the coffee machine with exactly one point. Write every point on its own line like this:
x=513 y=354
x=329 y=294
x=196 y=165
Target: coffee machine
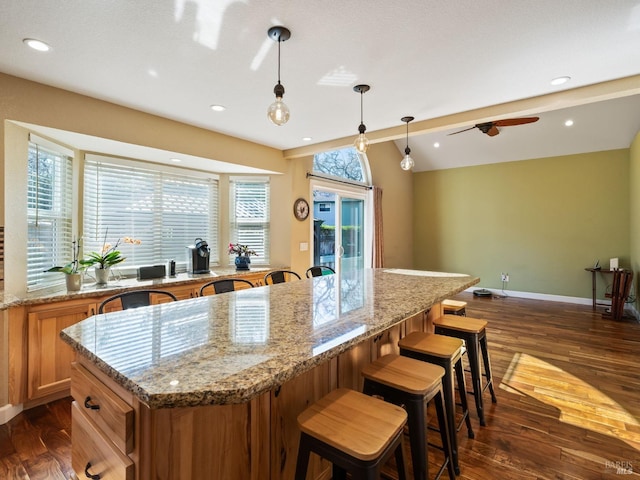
x=198 y=256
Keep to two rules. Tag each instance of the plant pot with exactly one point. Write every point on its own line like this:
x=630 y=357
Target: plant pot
x=102 y=275
x=74 y=282
x=242 y=262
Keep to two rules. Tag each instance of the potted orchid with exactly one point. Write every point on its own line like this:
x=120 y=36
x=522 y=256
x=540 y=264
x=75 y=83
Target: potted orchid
x=73 y=269
x=243 y=253
x=106 y=258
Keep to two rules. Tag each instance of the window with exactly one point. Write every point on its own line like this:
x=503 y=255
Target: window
x=49 y=213
x=249 y=215
x=345 y=163
x=324 y=207
x=165 y=208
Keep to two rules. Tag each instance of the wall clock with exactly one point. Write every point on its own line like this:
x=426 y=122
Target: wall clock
x=301 y=209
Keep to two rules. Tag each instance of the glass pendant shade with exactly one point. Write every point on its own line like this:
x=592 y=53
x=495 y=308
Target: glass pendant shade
x=407 y=162
x=278 y=112
x=361 y=143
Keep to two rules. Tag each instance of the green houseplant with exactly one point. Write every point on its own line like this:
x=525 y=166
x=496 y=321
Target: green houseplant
x=108 y=256
x=73 y=270
x=242 y=253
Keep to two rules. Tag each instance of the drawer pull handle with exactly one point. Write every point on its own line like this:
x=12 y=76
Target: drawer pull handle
x=90 y=406
x=86 y=472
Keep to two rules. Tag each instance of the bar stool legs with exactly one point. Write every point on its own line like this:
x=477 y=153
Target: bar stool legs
x=473 y=332
x=355 y=432
x=405 y=381
x=447 y=353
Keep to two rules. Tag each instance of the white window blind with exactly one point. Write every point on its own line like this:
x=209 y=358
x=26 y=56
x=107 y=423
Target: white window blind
x=165 y=208
x=49 y=214
x=249 y=215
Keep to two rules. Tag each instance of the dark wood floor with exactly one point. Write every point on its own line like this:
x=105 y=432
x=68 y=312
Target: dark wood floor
x=568 y=387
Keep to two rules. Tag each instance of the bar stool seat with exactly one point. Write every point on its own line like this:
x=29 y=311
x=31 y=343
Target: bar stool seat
x=447 y=353
x=355 y=432
x=473 y=332
x=454 y=307
x=409 y=382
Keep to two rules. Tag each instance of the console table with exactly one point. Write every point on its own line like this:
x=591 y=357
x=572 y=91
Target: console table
x=593 y=281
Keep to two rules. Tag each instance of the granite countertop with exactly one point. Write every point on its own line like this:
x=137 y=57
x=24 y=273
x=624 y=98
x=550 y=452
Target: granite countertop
x=229 y=348
x=7 y=300
x=90 y=289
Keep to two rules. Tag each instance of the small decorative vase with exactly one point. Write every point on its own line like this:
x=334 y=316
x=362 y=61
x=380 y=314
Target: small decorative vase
x=74 y=282
x=242 y=262
x=102 y=275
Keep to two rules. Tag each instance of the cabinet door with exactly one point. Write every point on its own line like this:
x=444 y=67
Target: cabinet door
x=184 y=292
x=49 y=358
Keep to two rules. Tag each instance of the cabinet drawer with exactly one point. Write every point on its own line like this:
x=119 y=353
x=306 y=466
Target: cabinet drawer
x=93 y=454
x=108 y=411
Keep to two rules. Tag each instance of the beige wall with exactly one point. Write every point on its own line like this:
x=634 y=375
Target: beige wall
x=542 y=221
x=398 y=203
x=634 y=206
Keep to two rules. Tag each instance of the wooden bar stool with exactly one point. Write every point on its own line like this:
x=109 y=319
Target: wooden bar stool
x=409 y=382
x=355 y=432
x=454 y=307
x=447 y=353
x=473 y=332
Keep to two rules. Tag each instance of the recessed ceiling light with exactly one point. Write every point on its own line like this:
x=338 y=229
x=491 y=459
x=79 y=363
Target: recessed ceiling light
x=218 y=108
x=436 y=145
x=568 y=123
x=560 y=80
x=36 y=44
x=306 y=139
x=176 y=160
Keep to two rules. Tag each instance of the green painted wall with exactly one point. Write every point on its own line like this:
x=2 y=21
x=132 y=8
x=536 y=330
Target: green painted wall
x=542 y=221
x=634 y=203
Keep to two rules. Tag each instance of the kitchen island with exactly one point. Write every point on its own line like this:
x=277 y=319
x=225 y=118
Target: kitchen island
x=211 y=387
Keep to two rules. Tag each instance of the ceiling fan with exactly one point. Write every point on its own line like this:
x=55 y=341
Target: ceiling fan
x=491 y=128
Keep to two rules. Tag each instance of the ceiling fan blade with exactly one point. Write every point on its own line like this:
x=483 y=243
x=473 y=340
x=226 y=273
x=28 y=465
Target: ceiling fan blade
x=465 y=130
x=509 y=122
x=493 y=131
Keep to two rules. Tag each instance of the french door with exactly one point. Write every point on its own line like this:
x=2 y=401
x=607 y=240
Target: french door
x=339 y=228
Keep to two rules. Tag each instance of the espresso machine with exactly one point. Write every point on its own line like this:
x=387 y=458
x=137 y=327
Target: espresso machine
x=198 y=256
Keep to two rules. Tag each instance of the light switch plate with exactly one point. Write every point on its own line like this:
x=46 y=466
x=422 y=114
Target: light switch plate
x=304 y=246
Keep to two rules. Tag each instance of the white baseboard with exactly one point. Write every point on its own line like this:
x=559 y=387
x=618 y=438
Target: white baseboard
x=537 y=296
x=555 y=298
x=8 y=411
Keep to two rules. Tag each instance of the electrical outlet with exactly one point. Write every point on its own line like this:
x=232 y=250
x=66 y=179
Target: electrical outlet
x=504 y=277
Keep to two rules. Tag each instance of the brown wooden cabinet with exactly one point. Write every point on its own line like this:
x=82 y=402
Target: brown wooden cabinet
x=49 y=358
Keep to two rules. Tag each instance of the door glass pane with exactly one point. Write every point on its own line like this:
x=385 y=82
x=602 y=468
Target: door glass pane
x=352 y=233
x=324 y=228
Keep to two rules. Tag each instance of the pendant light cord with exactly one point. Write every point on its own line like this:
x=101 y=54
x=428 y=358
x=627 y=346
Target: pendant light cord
x=279 y=41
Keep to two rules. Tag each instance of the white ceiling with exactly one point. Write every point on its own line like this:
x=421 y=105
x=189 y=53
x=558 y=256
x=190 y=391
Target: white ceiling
x=425 y=58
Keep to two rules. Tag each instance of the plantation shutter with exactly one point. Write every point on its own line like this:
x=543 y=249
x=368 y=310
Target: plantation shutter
x=249 y=215
x=49 y=212
x=165 y=208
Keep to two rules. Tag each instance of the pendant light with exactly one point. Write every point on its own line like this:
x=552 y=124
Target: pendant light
x=278 y=112
x=361 y=143
x=407 y=162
